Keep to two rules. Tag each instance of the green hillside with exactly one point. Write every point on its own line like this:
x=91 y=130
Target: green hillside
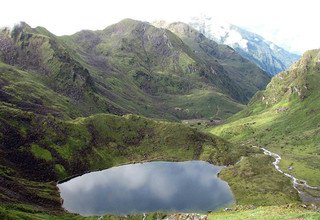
x=75 y=104
x=41 y=143
x=37 y=149
x=285 y=119
x=134 y=67
x=266 y=213
x=164 y=68
x=246 y=76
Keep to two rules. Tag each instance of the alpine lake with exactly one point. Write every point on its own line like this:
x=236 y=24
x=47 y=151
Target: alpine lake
x=191 y=186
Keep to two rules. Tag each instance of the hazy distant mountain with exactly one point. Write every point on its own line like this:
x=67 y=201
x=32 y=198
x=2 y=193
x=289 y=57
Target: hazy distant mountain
x=270 y=57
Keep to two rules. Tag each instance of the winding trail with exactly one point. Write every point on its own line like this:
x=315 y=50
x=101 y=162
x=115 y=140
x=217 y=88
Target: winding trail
x=297 y=183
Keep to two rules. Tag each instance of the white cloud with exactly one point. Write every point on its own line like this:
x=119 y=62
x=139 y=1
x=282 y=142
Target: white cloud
x=291 y=24
x=235 y=37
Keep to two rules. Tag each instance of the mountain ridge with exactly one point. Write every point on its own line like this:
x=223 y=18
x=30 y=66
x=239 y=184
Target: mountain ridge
x=57 y=93
x=184 y=64
x=228 y=58
x=267 y=55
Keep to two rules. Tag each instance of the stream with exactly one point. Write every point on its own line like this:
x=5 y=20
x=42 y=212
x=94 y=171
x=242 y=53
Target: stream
x=299 y=185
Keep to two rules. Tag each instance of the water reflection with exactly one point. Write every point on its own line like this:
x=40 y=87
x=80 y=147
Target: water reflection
x=184 y=186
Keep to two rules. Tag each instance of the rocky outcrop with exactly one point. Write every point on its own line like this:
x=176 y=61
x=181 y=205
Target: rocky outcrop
x=186 y=216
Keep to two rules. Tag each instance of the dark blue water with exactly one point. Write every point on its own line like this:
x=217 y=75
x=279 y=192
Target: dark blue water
x=191 y=186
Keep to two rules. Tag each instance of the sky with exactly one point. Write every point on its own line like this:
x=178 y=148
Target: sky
x=293 y=24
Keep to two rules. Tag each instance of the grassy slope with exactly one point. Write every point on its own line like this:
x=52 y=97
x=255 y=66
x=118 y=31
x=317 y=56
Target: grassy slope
x=263 y=213
x=156 y=63
x=87 y=144
x=48 y=63
x=245 y=75
x=102 y=141
x=27 y=212
x=40 y=144
x=285 y=119
x=267 y=213
x=255 y=182
x=208 y=103
x=133 y=67
x=38 y=148
x=26 y=90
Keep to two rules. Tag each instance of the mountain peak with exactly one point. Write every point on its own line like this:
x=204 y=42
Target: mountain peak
x=179 y=28
x=128 y=22
x=299 y=81
x=308 y=59
x=19 y=28
x=23 y=25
